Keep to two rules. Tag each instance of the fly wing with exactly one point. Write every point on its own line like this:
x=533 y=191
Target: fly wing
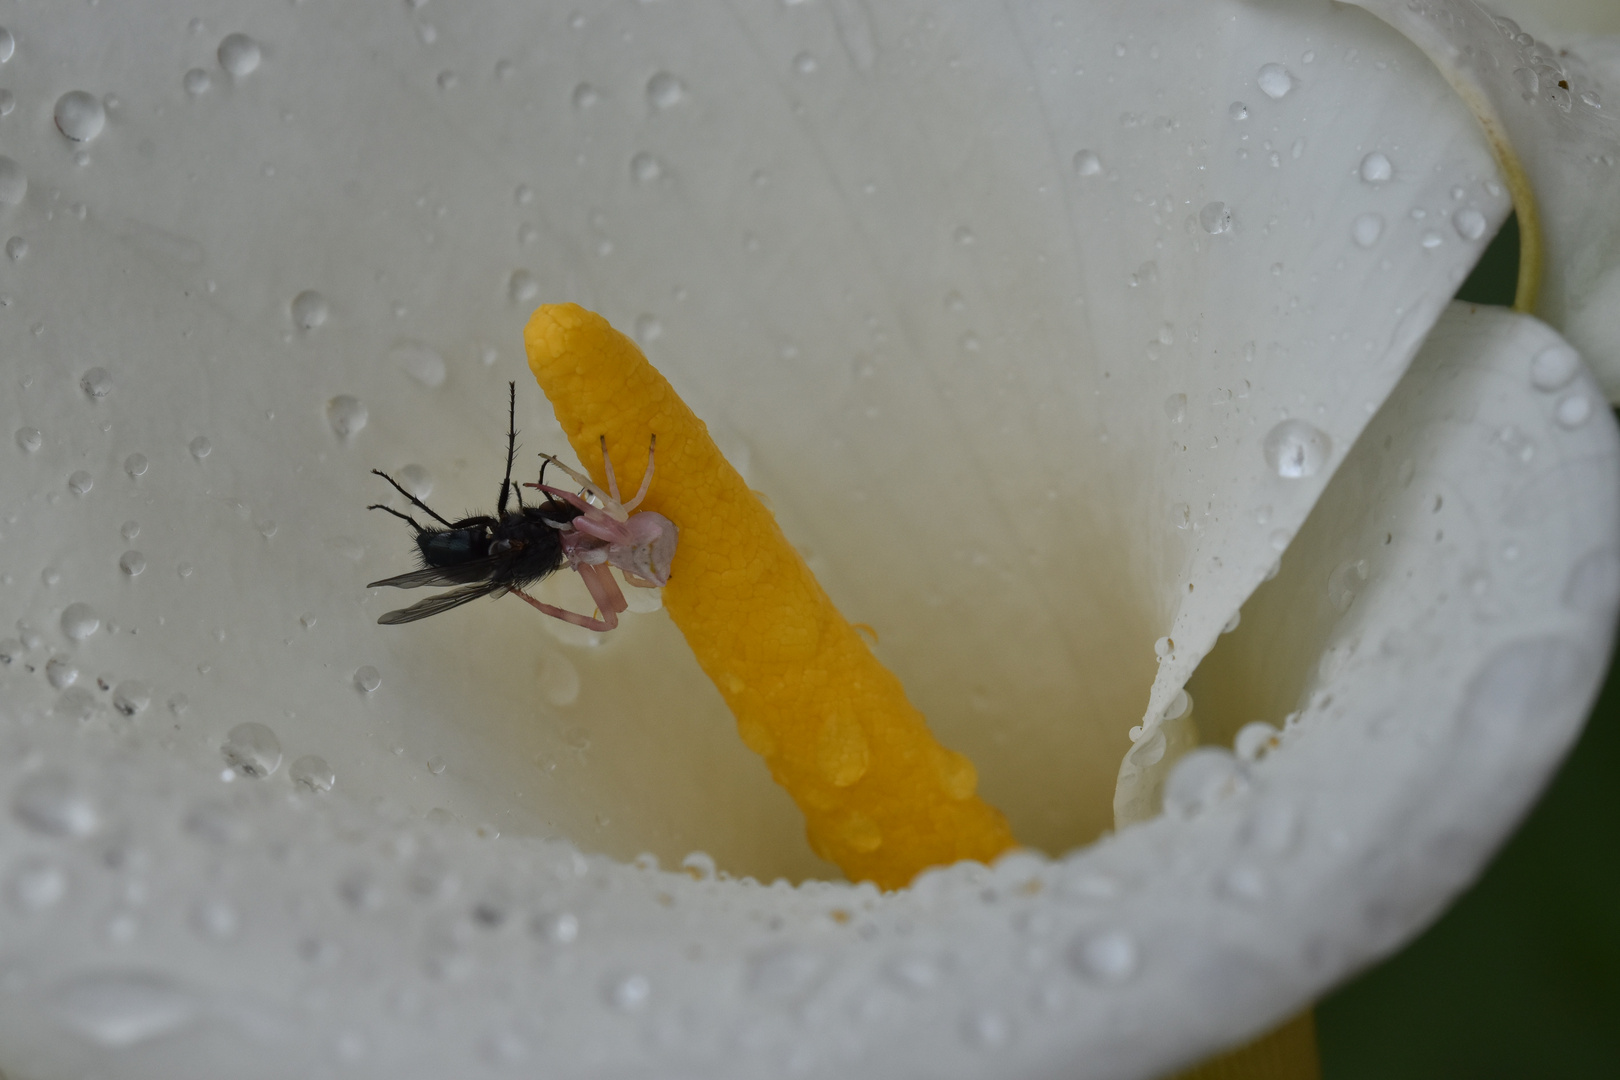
x=475 y=570
x=443 y=602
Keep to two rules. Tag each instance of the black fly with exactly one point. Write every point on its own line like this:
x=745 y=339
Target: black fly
x=493 y=556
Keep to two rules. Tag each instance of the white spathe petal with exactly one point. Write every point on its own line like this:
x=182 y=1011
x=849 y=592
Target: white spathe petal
x=1557 y=108
x=323 y=935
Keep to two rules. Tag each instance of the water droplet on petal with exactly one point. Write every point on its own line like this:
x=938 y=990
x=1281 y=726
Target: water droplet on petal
x=35 y=884
x=1237 y=111
x=1469 y=223
x=52 y=803
x=1109 y=956
x=1274 y=81
x=1553 y=367
x=79 y=621
x=1344 y=582
x=197 y=82
x=8 y=45
x=644 y=169
x=1590 y=97
x=96 y=383
x=30 y=439
x=132 y=563
x=239 y=55
x=664 y=91
x=1529 y=80
x=1175 y=407
x=346 y=414
x=123 y=1008
x=1573 y=411
x=1376 y=168
x=629 y=993
x=804 y=64
x=421 y=362
x=312 y=772
x=585 y=95
x=1256 y=739
x=80 y=116
x=60 y=672
x=522 y=287
x=1202 y=778
x=16 y=248
x=131 y=697
x=1087 y=163
x=252 y=749
x=201 y=447
x=81 y=482
x=1216 y=218
x=135 y=465
x=310 y=309
x=1163 y=647
x=1366 y=229
x=13 y=182
x=1431 y=240
x=368 y=678
x=1295 y=449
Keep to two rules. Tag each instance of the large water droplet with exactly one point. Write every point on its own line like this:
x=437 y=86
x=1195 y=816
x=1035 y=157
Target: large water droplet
x=629 y=993
x=123 y=1008
x=96 y=383
x=8 y=45
x=422 y=362
x=522 y=287
x=1553 y=367
x=1087 y=163
x=585 y=95
x=52 y=803
x=664 y=91
x=1295 y=449
x=30 y=439
x=79 y=621
x=1366 y=229
x=312 y=772
x=1573 y=411
x=1109 y=956
x=310 y=309
x=1202 y=778
x=1345 y=581
x=135 y=465
x=13 y=182
x=346 y=414
x=1376 y=168
x=239 y=55
x=80 y=116
x=1175 y=408
x=1529 y=80
x=1274 y=81
x=131 y=697
x=1469 y=223
x=1256 y=739
x=252 y=749
x=80 y=482
x=60 y=672
x=368 y=678
x=644 y=169
x=197 y=82
x=1216 y=218
x=200 y=447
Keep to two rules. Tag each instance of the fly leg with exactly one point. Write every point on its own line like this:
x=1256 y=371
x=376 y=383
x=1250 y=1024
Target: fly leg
x=418 y=503
x=396 y=513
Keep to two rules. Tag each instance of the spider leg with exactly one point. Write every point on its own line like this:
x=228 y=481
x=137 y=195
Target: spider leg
x=614 y=510
x=600 y=625
x=607 y=466
x=646 y=480
x=396 y=513
x=418 y=503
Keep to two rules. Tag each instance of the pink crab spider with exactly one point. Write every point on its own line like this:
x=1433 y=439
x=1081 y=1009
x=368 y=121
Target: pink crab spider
x=609 y=535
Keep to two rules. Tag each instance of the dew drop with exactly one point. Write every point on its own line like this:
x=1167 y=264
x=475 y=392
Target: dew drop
x=60 y=672
x=522 y=287
x=368 y=678
x=561 y=927
x=1366 y=229
x=1295 y=449
x=1233 y=623
x=239 y=55
x=13 y=182
x=1237 y=111
x=214 y=918
x=1216 y=218
x=123 y=1008
x=35 y=884
x=80 y=116
x=1553 y=367
x=30 y=439
x=17 y=248
x=79 y=621
x=252 y=749
x=96 y=383
x=53 y=804
x=421 y=362
x=1255 y=740
x=436 y=766
x=987 y=1029
x=197 y=82
x=80 y=482
x=1431 y=240
x=131 y=697
x=346 y=414
x=629 y=993
x=585 y=95
x=804 y=64
x=1573 y=411
x=665 y=91
x=1175 y=407
x=1376 y=168
x=1274 y=81
x=8 y=102
x=135 y=465
x=1344 y=582
x=1469 y=223
x=1529 y=80
x=312 y=772
x=1163 y=647
x=1590 y=97
x=645 y=169
x=8 y=45
x=700 y=865
x=1087 y=163
x=1108 y=956
x=200 y=447
x=310 y=309
x=1202 y=778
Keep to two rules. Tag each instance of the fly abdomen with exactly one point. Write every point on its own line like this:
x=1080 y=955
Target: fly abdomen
x=453 y=546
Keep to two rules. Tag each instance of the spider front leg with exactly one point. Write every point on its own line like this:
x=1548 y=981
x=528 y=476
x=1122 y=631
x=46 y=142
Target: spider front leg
x=604 y=590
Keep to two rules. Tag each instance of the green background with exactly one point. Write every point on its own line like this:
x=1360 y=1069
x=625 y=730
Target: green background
x=1521 y=977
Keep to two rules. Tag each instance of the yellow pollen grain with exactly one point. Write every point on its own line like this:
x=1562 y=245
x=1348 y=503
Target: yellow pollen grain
x=881 y=798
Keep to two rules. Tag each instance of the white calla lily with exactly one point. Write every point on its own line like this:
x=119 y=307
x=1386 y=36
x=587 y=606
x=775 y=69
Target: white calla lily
x=1044 y=328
